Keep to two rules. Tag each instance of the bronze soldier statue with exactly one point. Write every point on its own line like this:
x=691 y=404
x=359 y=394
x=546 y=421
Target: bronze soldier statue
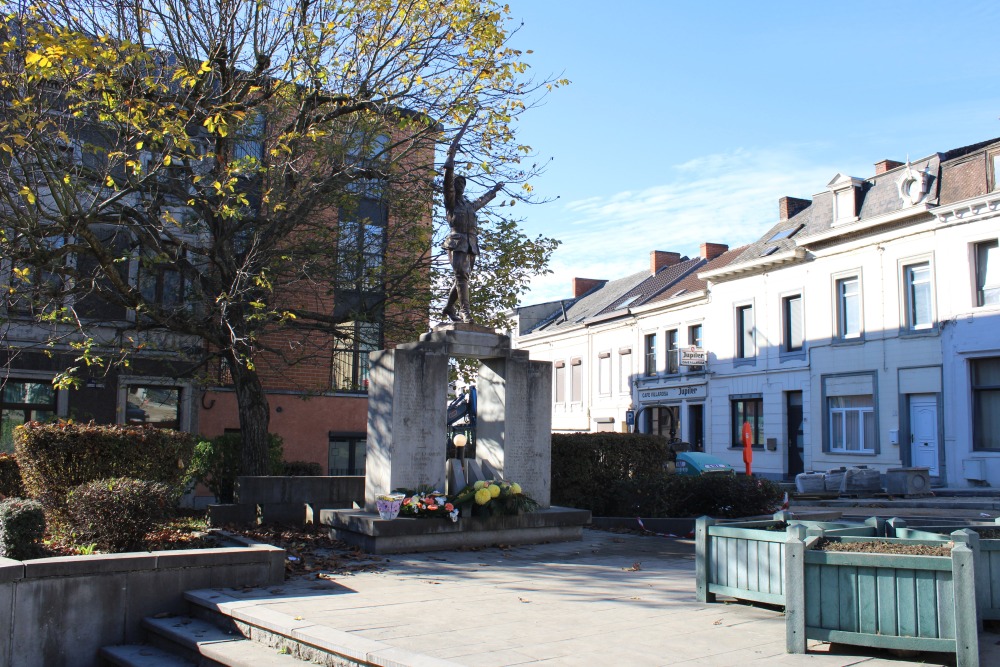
x=462 y=243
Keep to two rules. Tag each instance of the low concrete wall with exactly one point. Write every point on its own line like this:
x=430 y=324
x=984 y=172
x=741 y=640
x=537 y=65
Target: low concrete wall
x=60 y=611
x=295 y=500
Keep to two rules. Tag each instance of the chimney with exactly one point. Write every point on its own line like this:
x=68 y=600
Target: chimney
x=583 y=285
x=886 y=165
x=659 y=259
x=712 y=250
x=789 y=207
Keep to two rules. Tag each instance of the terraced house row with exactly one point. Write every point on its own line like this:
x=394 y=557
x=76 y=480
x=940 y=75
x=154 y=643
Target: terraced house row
x=862 y=328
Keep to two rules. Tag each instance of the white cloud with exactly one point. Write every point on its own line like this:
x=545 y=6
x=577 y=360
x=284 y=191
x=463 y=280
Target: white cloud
x=727 y=198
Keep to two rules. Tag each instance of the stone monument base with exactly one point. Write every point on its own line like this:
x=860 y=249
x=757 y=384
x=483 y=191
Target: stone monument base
x=368 y=532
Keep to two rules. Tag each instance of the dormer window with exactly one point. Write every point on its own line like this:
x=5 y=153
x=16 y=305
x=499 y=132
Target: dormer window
x=913 y=185
x=846 y=199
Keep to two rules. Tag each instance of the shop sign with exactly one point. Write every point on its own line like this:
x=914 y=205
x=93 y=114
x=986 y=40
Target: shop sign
x=672 y=393
x=693 y=356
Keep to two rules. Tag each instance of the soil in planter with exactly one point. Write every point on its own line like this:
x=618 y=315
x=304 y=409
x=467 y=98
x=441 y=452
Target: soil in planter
x=991 y=534
x=886 y=548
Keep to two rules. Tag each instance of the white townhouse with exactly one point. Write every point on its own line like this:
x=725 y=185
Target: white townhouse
x=863 y=328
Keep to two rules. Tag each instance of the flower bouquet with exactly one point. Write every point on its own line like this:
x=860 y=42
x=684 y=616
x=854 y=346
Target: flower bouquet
x=427 y=504
x=389 y=505
x=495 y=498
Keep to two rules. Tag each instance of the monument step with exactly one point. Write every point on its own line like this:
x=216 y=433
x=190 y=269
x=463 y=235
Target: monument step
x=297 y=637
x=141 y=655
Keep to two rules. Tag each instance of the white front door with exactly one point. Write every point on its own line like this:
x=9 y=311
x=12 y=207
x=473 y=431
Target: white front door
x=924 y=432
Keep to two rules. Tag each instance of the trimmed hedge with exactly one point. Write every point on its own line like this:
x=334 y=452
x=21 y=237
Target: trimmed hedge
x=56 y=458
x=116 y=514
x=22 y=527
x=625 y=474
x=10 y=477
x=216 y=463
x=301 y=469
x=587 y=467
x=720 y=496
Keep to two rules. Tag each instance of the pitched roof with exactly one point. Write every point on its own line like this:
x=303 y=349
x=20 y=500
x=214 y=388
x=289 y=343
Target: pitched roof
x=654 y=285
x=590 y=304
x=691 y=282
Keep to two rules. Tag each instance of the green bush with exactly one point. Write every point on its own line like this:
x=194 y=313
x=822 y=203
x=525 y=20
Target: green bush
x=301 y=469
x=216 y=463
x=116 y=514
x=10 y=477
x=721 y=496
x=56 y=458
x=588 y=467
x=22 y=526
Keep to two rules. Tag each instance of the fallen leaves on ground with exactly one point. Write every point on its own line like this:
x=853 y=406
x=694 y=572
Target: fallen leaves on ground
x=636 y=566
x=311 y=551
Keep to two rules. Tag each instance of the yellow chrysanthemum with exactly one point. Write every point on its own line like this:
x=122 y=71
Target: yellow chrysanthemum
x=494 y=490
x=483 y=496
x=478 y=485
x=515 y=488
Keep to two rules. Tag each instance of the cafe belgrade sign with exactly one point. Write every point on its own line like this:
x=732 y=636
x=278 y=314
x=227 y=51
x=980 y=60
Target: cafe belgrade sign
x=672 y=393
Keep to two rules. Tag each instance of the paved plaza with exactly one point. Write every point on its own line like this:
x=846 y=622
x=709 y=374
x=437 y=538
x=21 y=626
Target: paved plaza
x=611 y=599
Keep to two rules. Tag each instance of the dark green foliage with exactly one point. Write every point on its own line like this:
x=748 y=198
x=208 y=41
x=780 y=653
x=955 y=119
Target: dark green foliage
x=624 y=474
x=721 y=496
x=116 y=514
x=10 y=477
x=56 y=458
x=216 y=463
x=587 y=467
x=22 y=526
x=301 y=469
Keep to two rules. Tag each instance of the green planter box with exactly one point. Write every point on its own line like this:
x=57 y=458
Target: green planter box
x=745 y=559
x=909 y=602
x=986 y=552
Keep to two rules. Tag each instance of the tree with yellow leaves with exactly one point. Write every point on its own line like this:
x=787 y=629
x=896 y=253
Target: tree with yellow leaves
x=211 y=177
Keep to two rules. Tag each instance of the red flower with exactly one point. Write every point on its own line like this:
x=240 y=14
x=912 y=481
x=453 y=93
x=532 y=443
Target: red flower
x=432 y=507
x=448 y=507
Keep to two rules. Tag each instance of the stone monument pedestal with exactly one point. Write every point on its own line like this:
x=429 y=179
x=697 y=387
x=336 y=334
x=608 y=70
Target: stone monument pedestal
x=408 y=437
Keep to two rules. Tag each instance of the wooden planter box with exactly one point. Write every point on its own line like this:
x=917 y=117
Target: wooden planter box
x=909 y=602
x=746 y=560
x=985 y=551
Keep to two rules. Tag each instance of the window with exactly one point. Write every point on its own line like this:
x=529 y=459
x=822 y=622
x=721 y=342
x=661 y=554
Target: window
x=560 y=382
x=748 y=410
x=23 y=401
x=987 y=273
x=917 y=278
x=361 y=246
x=673 y=354
x=650 y=354
x=38 y=288
x=576 y=380
x=745 y=347
x=994 y=167
x=792 y=330
x=624 y=369
x=154 y=405
x=347 y=454
x=986 y=403
x=604 y=373
x=665 y=421
x=852 y=424
x=350 y=356
x=848 y=308
x=694 y=335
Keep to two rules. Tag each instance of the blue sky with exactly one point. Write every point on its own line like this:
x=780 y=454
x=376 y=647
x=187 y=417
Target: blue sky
x=685 y=122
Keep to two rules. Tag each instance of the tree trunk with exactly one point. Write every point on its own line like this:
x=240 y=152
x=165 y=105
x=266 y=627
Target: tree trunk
x=254 y=418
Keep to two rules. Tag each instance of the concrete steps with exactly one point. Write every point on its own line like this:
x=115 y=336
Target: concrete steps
x=185 y=641
x=222 y=628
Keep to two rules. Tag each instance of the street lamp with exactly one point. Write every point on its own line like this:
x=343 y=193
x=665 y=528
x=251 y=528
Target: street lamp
x=460 y=440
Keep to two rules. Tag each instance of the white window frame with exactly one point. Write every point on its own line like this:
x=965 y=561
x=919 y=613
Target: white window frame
x=745 y=337
x=840 y=297
x=979 y=291
x=604 y=373
x=840 y=414
x=786 y=322
x=908 y=302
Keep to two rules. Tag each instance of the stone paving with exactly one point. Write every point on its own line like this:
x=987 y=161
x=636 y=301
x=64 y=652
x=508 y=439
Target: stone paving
x=611 y=599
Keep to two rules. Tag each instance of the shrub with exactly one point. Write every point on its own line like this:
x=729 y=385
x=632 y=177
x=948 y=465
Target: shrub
x=56 y=458
x=10 y=477
x=722 y=496
x=116 y=514
x=22 y=526
x=301 y=469
x=216 y=463
x=587 y=467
